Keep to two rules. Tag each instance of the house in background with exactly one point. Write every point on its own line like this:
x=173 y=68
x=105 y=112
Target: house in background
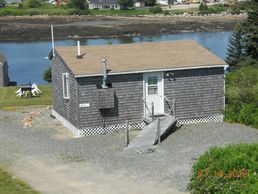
x=14 y=1
x=103 y=4
x=4 y=79
x=95 y=93
x=138 y=3
x=2 y=4
x=162 y=2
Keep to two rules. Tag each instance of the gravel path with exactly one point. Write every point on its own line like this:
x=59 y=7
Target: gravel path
x=52 y=161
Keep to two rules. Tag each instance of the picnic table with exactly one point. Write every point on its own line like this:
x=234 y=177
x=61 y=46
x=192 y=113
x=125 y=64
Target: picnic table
x=25 y=88
x=28 y=90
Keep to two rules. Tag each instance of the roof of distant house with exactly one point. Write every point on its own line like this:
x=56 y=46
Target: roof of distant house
x=13 y=1
x=2 y=58
x=137 y=58
x=104 y=2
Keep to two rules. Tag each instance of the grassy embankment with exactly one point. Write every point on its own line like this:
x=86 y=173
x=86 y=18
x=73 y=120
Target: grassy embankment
x=9 y=101
x=48 y=9
x=10 y=184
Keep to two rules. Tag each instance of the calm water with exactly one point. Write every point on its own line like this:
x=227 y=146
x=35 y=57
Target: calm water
x=27 y=59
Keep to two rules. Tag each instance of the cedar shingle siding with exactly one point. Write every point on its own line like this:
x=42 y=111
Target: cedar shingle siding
x=66 y=108
x=128 y=100
x=4 y=79
x=198 y=92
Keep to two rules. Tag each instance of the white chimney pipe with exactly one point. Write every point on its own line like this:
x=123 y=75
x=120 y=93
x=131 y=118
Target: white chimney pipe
x=52 y=38
x=78 y=49
x=104 y=64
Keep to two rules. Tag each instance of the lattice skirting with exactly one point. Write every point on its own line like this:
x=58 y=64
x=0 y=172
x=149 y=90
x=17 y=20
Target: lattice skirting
x=109 y=129
x=202 y=119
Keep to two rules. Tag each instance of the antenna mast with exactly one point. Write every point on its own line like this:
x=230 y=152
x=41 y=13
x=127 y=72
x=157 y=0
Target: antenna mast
x=52 y=37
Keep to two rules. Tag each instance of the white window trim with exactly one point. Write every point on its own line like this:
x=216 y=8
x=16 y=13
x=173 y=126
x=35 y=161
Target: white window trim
x=66 y=76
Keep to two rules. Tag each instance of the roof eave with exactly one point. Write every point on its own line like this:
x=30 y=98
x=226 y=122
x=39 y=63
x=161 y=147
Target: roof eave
x=154 y=70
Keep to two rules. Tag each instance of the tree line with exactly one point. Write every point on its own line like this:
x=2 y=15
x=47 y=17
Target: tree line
x=242 y=79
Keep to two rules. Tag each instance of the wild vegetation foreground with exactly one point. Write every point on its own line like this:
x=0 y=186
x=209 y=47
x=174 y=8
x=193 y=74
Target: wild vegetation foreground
x=9 y=184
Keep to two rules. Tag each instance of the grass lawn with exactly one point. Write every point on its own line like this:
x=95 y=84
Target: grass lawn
x=121 y=12
x=9 y=101
x=48 y=9
x=12 y=185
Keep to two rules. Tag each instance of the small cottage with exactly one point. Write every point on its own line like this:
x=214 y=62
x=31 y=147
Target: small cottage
x=96 y=89
x=103 y=4
x=4 y=79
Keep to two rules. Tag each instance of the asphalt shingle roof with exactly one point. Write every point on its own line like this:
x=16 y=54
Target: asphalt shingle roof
x=140 y=57
x=104 y=2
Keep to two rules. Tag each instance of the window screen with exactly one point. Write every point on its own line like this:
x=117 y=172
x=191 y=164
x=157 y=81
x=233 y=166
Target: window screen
x=152 y=85
x=66 y=85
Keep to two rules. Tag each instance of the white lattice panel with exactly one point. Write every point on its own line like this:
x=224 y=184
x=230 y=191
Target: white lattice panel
x=137 y=126
x=109 y=129
x=203 y=119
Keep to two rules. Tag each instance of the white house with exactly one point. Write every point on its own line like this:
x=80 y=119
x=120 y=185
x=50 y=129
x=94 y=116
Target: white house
x=104 y=4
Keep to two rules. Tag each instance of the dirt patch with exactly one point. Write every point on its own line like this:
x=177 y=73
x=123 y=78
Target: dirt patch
x=38 y=27
x=27 y=121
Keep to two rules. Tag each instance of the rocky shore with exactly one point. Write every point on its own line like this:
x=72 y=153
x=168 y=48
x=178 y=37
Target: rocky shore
x=38 y=27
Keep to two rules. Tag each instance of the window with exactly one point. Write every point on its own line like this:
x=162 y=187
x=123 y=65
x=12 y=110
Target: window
x=66 y=85
x=152 y=85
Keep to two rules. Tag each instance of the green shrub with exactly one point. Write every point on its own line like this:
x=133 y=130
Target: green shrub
x=9 y=11
x=155 y=10
x=203 y=8
x=78 y=4
x=47 y=75
x=20 y=6
x=235 y=10
x=32 y=3
x=166 y=12
x=247 y=114
x=125 y=4
x=216 y=9
x=149 y=2
x=231 y=170
x=242 y=96
x=5 y=12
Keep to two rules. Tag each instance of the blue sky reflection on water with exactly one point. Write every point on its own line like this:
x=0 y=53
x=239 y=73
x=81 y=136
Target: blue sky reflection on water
x=27 y=59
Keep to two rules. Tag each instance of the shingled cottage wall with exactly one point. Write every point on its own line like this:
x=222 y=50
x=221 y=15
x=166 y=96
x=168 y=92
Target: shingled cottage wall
x=197 y=92
x=66 y=108
x=4 y=79
x=128 y=101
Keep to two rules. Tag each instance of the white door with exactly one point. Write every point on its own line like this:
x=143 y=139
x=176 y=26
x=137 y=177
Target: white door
x=153 y=92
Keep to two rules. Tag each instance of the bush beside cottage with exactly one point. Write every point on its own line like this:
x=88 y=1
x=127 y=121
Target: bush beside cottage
x=232 y=169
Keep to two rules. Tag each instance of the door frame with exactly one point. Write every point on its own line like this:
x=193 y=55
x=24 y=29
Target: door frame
x=161 y=75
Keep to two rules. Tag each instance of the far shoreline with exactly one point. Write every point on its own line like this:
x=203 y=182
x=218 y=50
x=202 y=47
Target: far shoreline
x=31 y=28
